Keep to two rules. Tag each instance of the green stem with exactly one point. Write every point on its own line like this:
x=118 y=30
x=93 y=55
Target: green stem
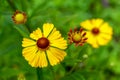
x=40 y=74
x=73 y=68
x=10 y=2
x=50 y=68
x=22 y=31
x=28 y=27
x=53 y=73
x=76 y=65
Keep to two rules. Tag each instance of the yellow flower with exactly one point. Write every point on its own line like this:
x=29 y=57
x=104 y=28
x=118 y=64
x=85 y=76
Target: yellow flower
x=77 y=37
x=98 y=32
x=44 y=48
x=19 y=17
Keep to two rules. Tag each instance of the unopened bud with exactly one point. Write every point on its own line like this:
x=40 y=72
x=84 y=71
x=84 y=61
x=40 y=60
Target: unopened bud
x=21 y=77
x=112 y=64
x=85 y=56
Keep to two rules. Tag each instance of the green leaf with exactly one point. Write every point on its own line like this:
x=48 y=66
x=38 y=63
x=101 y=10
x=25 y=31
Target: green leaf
x=74 y=76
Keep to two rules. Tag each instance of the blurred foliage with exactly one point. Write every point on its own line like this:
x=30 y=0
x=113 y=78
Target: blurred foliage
x=101 y=64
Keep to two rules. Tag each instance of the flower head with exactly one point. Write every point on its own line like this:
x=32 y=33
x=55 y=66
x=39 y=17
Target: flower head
x=77 y=37
x=98 y=32
x=19 y=17
x=44 y=47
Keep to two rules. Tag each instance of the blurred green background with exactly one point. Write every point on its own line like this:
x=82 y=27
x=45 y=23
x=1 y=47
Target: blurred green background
x=102 y=63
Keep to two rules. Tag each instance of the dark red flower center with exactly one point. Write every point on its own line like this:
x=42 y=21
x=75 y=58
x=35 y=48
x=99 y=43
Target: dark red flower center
x=43 y=43
x=95 y=31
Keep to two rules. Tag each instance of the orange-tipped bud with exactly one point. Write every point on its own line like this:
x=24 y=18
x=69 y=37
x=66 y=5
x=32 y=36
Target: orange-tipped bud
x=19 y=17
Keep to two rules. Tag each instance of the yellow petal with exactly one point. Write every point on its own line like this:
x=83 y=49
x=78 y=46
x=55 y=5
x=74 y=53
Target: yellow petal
x=59 y=54
x=55 y=55
x=105 y=28
x=106 y=36
x=34 y=60
x=97 y=22
x=47 y=28
x=39 y=60
x=59 y=43
x=36 y=34
x=43 y=60
x=95 y=44
x=28 y=42
x=56 y=40
x=54 y=35
x=29 y=52
x=103 y=39
x=87 y=25
x=90 y=24
x=91 y=39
